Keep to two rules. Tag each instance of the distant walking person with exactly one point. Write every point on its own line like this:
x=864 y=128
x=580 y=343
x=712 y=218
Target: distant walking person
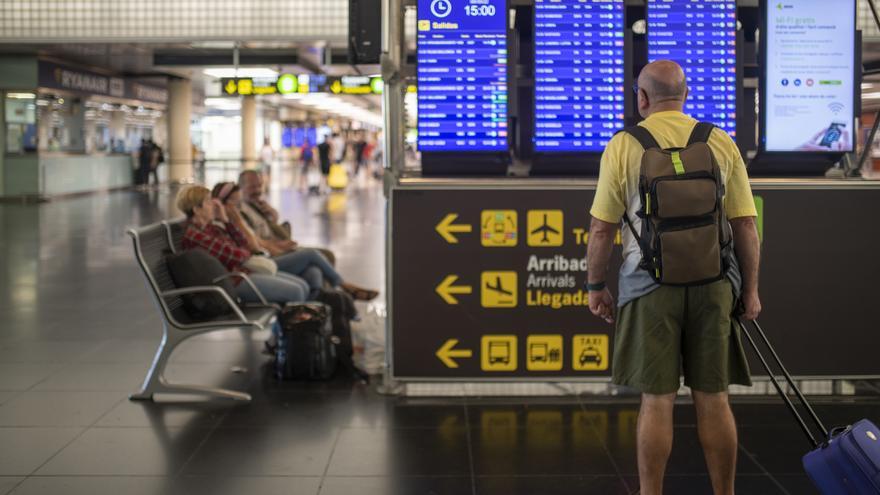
x=338 y=144
x=267 y=159
x=359 y=147
x=145 y=160
x=157 y=157
x=324 y=150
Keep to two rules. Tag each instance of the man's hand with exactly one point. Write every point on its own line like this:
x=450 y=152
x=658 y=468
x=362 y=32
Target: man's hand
x=288 y=245
x=748 y=250
x=268 y=210
x=751 y=304
x=602 y=304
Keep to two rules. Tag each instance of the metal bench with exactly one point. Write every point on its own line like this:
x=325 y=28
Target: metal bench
x=151 y=245
x=175 y=229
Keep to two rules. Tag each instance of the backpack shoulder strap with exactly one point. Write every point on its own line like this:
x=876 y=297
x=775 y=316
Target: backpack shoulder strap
x=643 y=136
x=701 y=133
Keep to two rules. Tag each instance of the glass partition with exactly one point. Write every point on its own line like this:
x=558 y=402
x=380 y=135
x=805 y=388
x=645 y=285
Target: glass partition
x=21 y=120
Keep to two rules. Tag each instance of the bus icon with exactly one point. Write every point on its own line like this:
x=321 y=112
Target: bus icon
x=499 y=352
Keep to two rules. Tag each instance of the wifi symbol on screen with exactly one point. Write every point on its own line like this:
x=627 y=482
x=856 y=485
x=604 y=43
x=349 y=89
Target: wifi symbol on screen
x=836 y=107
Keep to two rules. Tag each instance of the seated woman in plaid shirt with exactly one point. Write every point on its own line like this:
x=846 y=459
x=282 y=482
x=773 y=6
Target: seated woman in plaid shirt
x=307 y=263
x=209 y=228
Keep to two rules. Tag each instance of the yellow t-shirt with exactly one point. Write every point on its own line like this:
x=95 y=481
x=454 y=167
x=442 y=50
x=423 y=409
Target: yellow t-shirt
x=618 y=187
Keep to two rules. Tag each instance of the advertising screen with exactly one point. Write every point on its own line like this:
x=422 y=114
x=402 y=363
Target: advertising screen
x=579 y=74
x=809 y=93
x=462 y=75
x=701 y=36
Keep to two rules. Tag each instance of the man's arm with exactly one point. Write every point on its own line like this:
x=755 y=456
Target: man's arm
x=748 y=252
x=599 y=247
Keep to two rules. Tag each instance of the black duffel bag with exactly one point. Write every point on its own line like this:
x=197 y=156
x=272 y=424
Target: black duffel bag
x=306 y=346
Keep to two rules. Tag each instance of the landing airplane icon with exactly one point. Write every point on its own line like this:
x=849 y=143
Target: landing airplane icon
x=546 y=230
x=498 y=287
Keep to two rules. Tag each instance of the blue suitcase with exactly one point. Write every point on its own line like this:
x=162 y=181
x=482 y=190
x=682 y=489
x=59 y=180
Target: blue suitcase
x=848 y=463
x=847 y=460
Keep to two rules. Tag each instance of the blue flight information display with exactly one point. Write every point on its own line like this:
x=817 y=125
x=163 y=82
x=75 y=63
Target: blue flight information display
x=462 y=75
x=579 y=74
x=701 y=36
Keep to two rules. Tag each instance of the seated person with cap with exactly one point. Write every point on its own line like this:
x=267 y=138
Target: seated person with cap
x=264 y=220
x=307 y=263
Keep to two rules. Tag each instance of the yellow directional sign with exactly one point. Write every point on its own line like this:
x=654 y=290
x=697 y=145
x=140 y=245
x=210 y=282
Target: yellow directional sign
x=498 y=228
x=446 y=353
x=498 y=289
x=498 y=353
x=590 y=353
x=231 y=87
x=245 y=86
x=544 y=353
x=446 y=228
x=336 y=87
x=545 y=228
x=446 y=289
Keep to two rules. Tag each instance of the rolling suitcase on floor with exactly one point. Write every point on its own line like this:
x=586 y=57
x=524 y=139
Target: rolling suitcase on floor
x=847 y=460
x=337 y=179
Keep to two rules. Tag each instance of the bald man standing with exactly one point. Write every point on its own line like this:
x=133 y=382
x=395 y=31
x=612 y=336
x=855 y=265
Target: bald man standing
x=663 y=330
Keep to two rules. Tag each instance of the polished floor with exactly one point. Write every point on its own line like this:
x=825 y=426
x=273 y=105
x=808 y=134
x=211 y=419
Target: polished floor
x=78 y=331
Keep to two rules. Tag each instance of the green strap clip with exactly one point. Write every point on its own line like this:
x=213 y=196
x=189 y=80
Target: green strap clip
x=677 y=163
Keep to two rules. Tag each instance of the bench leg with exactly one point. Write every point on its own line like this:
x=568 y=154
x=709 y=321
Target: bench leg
x=155 y=382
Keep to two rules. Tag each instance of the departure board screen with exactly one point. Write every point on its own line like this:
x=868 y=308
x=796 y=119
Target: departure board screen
x=579 y=74
x=701 y=36
x=462 y=75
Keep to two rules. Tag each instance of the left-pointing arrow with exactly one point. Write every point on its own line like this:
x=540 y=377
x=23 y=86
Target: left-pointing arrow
x=446 y=353
x=446 y=228
x=446 y=289
x=231 y=87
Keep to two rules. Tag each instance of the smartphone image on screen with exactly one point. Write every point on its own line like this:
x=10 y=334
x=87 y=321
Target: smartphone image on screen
x=832 y=135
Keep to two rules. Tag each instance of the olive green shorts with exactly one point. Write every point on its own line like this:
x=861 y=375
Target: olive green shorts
x=680 y=330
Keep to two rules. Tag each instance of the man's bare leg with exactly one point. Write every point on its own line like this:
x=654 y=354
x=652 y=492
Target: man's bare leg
x=717 y=430
x=654 y=441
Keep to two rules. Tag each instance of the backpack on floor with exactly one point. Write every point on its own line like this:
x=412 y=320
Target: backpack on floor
x=343 y=311
x=306 y=347
x=685 y=237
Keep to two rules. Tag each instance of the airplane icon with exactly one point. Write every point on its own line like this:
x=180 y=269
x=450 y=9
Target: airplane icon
x=545 y=229
x=498 y=287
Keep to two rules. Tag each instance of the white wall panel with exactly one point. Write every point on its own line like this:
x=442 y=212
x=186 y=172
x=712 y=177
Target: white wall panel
x=173 y=20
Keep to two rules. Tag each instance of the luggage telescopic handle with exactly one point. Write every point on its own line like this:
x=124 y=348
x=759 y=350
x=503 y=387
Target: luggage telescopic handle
x=787 y=375
x=788 y=378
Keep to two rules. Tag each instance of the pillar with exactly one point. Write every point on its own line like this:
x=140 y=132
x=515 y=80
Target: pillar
x=180 y=166
x=249 y=132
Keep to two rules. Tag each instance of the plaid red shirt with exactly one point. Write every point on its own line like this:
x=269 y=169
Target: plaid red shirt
x=226 y=243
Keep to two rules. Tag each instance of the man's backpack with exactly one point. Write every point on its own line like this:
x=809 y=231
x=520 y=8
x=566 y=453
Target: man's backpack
x=685 y=237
